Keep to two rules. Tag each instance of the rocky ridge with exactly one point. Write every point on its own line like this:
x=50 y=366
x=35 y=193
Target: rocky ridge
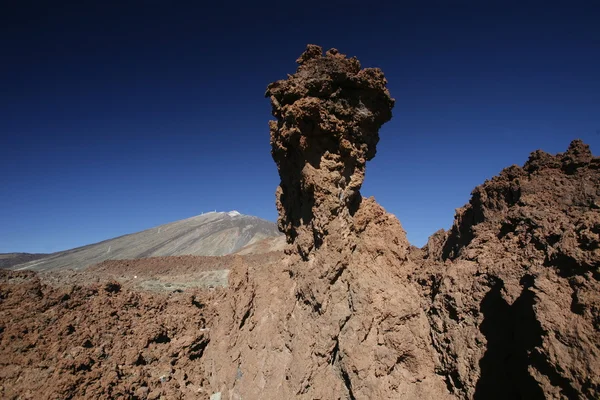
x=340 y=318
x=515 y=298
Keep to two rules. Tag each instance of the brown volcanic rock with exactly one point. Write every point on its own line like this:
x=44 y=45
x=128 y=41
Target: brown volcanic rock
x=340 y=318
x=346 y=324
x=99 y=341
x=106 y=332
x=328 y=116
x=516 y=307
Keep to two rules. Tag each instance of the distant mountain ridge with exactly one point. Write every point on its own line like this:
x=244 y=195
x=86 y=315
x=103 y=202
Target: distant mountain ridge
x=7 y=260
x=209 y=234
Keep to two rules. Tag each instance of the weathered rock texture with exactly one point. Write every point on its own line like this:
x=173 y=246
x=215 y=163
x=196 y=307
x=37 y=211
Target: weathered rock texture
x=328 y=118
x=127 y=329
x=505 y=305
x=346 y=324
x=99 y=341
x=339 y=319
x=515 y=309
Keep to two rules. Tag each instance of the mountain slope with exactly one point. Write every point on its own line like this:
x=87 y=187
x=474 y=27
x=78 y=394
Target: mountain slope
x=7 y=260
x=211 y=234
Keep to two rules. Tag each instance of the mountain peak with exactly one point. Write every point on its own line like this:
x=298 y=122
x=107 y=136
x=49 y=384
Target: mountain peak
x=208 y=234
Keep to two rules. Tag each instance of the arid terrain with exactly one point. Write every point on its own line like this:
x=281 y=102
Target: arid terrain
x=8 y=260
x=503 y=305
x=210 y=234
x=121 y=329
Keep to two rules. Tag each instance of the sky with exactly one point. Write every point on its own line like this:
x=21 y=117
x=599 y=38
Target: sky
x=118 y=116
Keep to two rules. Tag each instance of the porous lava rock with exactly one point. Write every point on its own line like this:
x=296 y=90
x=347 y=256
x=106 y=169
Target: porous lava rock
x=514 y=285
x=504 y=305
x=340 y=318
x=328 y=116
x=96 y=342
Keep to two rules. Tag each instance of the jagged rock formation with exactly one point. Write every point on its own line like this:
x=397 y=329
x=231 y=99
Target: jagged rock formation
x=328 y=118
x=346 y=324
x=339 y=319
x=504 y=305
x=516 y=307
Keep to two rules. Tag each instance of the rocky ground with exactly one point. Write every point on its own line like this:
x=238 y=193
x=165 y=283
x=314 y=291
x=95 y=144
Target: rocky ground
x=133 y=329
x=504 y=305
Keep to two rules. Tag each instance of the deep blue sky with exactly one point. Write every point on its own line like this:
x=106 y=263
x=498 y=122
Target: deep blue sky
x=116 y=116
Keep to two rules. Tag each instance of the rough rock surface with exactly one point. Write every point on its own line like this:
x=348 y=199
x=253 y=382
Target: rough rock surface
x=128 y=329
x=328 y=118
x=516 y=306
x=99 y=341
x=346 y=324
x=339 y=319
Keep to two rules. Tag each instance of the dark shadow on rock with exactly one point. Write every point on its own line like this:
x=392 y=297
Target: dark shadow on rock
x=512 y=333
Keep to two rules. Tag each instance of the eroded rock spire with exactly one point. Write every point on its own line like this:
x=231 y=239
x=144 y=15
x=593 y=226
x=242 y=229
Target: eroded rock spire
x=328 y=118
